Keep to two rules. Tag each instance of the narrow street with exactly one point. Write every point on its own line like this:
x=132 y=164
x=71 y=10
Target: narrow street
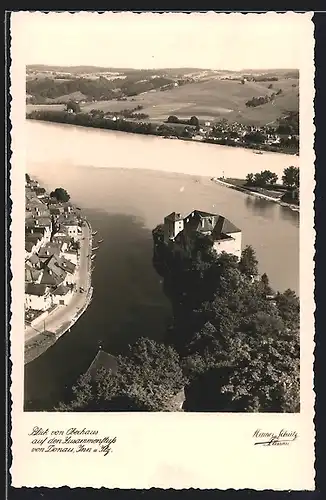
x=64 y=314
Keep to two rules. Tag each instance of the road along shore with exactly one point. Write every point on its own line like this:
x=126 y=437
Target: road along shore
x=59 y=320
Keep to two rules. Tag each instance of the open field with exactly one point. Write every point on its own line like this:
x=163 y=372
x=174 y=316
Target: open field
x=209 y=99
x=269 y=112
x=44 y=107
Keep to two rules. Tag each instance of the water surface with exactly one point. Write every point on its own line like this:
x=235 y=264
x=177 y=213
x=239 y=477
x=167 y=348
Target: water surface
x=124 y=205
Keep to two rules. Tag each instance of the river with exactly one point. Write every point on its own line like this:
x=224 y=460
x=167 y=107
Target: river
x=125 y=184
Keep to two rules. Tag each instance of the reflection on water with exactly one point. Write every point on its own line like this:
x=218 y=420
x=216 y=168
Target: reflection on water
x=261 y=207
x=128 y=303
x=289 y=215
x=124 y=205
x=110 y=149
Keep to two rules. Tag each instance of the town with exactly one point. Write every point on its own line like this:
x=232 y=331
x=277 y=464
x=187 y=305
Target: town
x=57 y=262
x=281 y=136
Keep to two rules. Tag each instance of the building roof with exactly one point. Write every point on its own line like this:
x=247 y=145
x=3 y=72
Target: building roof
x=38 y=221
x=37 y=208
x=29 y=245
x=33 y=183
x=43 y=221
x=33 y=260
x=62 y=232
x=60 y=238
x=33 y=237
x=35 y=289
x=60 y=264
x=29 y=194
x=70 y=220
x=67 y=265
x=51 y=278
x=30 y=229
x=49 y=249
x=206 y=221
x=103 y=360
x=228 y=227
x=31 y=274
x=39 y=190
x=173 y=217
x=62 y=290
x=54 y=210
x=28 y=215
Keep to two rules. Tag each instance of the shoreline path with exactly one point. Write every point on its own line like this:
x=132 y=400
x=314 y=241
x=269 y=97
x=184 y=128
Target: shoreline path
x=65 y=314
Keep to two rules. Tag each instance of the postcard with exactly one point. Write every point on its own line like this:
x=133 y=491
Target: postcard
x=162 y=246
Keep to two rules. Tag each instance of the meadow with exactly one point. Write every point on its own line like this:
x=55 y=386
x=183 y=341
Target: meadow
x=210 y=99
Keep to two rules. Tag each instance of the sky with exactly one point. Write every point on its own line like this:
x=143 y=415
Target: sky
x=147 y=40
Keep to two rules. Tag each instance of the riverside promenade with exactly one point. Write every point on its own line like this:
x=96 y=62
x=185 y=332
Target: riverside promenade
x=44 y=333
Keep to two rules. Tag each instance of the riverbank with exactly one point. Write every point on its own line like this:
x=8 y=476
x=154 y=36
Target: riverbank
x=43 y=332
x=164 y=130
x=237 y=184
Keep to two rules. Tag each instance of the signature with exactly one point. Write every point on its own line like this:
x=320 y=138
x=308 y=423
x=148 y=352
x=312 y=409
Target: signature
x=282 y=438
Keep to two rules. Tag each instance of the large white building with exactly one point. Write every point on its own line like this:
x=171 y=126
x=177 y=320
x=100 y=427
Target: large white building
x=225 y=235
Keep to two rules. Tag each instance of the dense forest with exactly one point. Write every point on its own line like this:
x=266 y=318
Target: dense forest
x=288 y=124
x=102 y=88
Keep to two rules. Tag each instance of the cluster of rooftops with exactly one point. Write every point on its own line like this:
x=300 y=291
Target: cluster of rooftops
x=50 y=252
x=202 y=222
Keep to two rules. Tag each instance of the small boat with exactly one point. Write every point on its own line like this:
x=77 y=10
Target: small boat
x=93 y=257
x=258 y=152
x=95 y=248
x=100 y=241
x=94 y=233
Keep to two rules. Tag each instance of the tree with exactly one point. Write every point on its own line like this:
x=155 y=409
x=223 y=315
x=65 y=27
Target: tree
x=273 y=178
x=264 y=178
x=173 y=119
x=248 y=263
x=73 y=106
x=291 y=177
x=60 y=194
x=250 y=179
x=265 y=284
x=195 y=122
x=27 y=178
x=148 y=379
x=254 y=137
x=266 y=377
x=289 y=307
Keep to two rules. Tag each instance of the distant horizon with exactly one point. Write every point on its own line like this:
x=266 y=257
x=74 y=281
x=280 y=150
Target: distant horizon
x=121 y=68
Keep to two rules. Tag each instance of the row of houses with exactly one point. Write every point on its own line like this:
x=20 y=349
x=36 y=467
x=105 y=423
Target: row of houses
x=52 y=234
x=237 y=132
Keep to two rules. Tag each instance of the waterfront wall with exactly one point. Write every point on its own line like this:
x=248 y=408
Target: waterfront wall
x=76 y=317
x=257 y=195
x=40 y=343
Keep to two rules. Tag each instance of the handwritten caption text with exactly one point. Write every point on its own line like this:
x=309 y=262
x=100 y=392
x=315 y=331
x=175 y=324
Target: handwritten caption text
x=72 y=440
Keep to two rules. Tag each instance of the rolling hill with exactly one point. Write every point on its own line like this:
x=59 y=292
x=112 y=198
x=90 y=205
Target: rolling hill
x=208 y=96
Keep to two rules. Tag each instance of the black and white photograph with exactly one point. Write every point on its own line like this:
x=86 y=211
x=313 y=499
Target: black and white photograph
x=162 y=224
x=164 y=176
